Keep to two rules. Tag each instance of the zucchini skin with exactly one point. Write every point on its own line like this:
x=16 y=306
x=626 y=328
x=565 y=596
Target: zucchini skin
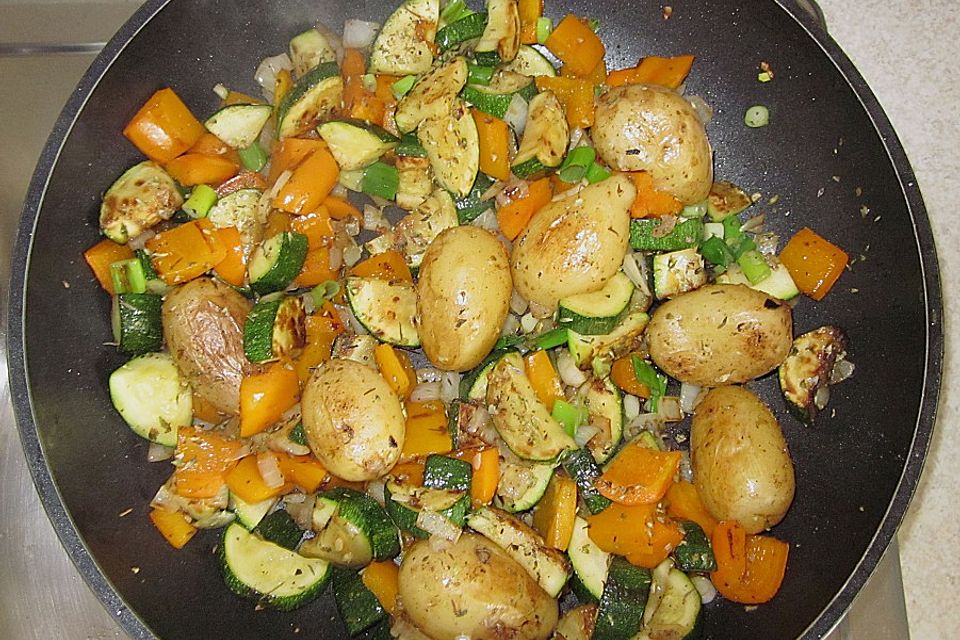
x=443 y=472
x=684 y=235
x=460 y=31
x=624 y=599
x=358 y=606
x=694 y=553
x=141 y=327
x=584 y=470
x=279 y=528
x=366 y=514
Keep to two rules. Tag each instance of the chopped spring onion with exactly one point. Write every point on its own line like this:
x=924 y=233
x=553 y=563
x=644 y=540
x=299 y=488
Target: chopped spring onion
x=575 y=165
x=380 y=179
x=697 y=210
x=597 y=173
x=128 y=276
x=544 y=29
x=734 y=237
x=510 y=340
x=594 y=24
x=754 y=266
x=253 y=157
x=479 y=75
x=324 y=292
x=410 y=146
x=369 y=82
x=648 y=377
x=551 y=339
x=402 y=86
x=456 y=10
x=201 y=199
x=764 y=76
x=297 y=434
x=716 y=251
x=569 y=415
x=757 y=116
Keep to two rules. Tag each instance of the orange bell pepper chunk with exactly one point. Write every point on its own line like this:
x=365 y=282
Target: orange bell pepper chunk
x=277 y=222
x=195 y=168
x=233 y=267
x=576 y=96
x=666 y=72
x=427 y=430
x=321 y=332
x=103 y=254
x=595 y=77
x=163 y=128
x=409 y=472
x=316 y=226
x=395 y=367
x=625 y=377
x=556 y=512
x=310 y=184
x=246 y=482
x=174 y=526
x=543 y=377
x=750 y=569
x=683 y=503
x=389 y=265
x=282 y=85
x=210 y=145
x=814 y=263
x=266 y=396
x=649 y=202
x=203 y=410
x=340 y=209
x=636 y=532
x=486 y=472
x=530 y=11
x=576 y=45
x=494 y=142
x=638 y=475
x=289 y=153
x=304 y=471
x=186 y=251
x=514 y=216
x=203 y=460
x=316 y=268
x=383 y=580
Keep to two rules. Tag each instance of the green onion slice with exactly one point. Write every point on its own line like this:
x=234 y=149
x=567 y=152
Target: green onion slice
x=253 y=158
x=597 y=173
x=757 y=116
x=380 y=179
x=648 y=377
x=479 y=75
x=544 y=29
x=402 y=86
x=575 y=165
x=754 y=266
x=569 y=415
x=201 y=199
x=324 y=292
x=128 y=276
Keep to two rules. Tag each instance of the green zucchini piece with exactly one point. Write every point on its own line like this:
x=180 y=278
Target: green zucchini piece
x=410 y=147
x=442 y=472
x=464 y=29
x=358 y=606
x=140 y=198
x=239 y=125
x=275 y=328
x=597 y=312
x=388 y=310
x=405 y=44
x=473 y=385
x=545 y=136
x=726 y=199
x=352 y=530
x=530 y=62
x=618 y=342
x=583 y=468
x=548 y=566
x=522 y=485
x=678 y=612
x=151 y=397
x=500 y=39
x=356 y=144
x=452 y=145
x=417 y=230
x=624 y=598
x=400 y=499
x=430 y=96
x=266 y=572
x=314 y=96
x=694 y=553
x=809 y=368
x=778 y=284
x=309 y=49
x=470 y=206
x=677 y=272
x=686 y=234
x=277 y=262
x=250 y=514
x=495 y=98
x=240 y=209
x=590 y=562
x=280 y=529
x=137 y=325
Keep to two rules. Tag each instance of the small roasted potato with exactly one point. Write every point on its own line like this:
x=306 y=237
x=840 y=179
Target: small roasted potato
x=574 y=244
x=203 y=328
x=741 y=465
x=720 y=334
x=463 y=296
x=353 y=420
x=472 y=589
x=653 y=129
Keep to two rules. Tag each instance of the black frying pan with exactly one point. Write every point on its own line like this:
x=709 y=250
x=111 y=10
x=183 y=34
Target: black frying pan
x=856 y=470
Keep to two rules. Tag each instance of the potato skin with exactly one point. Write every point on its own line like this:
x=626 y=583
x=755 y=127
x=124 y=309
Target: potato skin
x=574 y=244
x=741 y=466
x=352 y=419
x=203 y=328
x=463 y=297
x=649 y=128
x=720 y=334
x=473 y=589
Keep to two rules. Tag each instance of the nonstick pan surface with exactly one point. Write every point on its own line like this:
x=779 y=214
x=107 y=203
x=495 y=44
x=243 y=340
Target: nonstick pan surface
x=829 y=155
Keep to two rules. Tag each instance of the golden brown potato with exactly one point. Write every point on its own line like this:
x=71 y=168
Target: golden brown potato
x=574 y=244
x=474 y=590
x=463 y=297
x=720 y=334
x=203 y=328
x=741 y=465
x=352 y=419
x=652 y=129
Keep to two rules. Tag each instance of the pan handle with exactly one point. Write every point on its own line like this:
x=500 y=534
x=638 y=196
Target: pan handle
x=813 y=9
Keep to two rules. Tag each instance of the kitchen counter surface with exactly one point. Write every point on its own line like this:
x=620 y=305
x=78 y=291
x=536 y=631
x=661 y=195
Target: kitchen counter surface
x=907 y=51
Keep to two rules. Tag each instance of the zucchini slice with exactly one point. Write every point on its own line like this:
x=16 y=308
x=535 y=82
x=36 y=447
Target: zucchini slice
x=585 y=348
x=530 y=62
x=501 y=38
x=416 y=180
x=810 y=368
x=444 y=472
x=355 y=144
x=472 y=206
x=388 y=310
x=463 y=30
x=312 y=98
x=596 y=313
x=415 y=231
x=473 y=385
x=404 y=45
x=548 y=566
x=678 y=610
x=137 y=324
x=277 y=262
x=583 y=468
x=431 y=94
x=358 y=348
x=577 y=623
x=605 y=404
x=623 y=601
x=250 y=514
x=453 y=147
x=545 y=137
x=694 y=553
x=152 y=398
x=239 y=125
x=404 y=503
x=241 y=209
x=358 y=606
x=726 y=199
x=495 y=98
x=522 y=421
x=522 y=485
x=280 y=529
x=778 y=284
x=677 y=272
x=352 y=530
x=309 y=49
x=275 y=328
x=590 y=562
x=266 y=572
x=141 y=197
x=686 y=234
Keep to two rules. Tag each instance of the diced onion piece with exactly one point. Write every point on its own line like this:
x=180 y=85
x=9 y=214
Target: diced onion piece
x=429 y=374
x=528 y=323
x=510 y=325
x=568 y=371
x=266 y=73
x=644 y=422
x=159 y=453
x=347 y=315
x=842 y=370
x=214 y=520
x=702 y=108
x=269 y=467
x=821 y=397
x=376 y=489
x=634 y=268
x=669 y=409
x=335 y=258
x=352 y=254
x=373 y=219
x=449 y=386
x=689 y=397
x=516 y=115
x=359 y=34
x=437 y=526
x=425 y=391
x=486 y=220
x=705 y=588
x=631 y=406
x=300 y=507
x=518 y=303
x=166 y=499
x=585 y=433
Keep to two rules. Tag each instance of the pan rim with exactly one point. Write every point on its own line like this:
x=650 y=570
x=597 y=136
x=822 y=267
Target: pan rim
x=108 y=595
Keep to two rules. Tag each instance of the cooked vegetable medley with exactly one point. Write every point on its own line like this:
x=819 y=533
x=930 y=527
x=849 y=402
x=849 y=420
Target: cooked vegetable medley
x=426 y=321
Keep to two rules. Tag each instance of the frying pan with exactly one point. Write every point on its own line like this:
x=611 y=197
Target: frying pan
x=829 y=155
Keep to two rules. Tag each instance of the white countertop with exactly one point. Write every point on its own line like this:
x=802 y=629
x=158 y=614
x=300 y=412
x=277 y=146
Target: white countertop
x=906 y=49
